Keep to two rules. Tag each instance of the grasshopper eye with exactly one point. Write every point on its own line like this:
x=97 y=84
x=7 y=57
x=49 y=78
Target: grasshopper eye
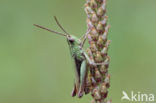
x=71 y=40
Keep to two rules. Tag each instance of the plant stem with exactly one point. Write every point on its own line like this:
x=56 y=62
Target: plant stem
x=98 y=75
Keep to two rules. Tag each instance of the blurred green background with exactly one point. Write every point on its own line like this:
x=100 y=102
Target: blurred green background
x=36 y=67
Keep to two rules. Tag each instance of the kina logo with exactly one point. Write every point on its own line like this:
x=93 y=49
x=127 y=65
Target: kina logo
x=137 y=97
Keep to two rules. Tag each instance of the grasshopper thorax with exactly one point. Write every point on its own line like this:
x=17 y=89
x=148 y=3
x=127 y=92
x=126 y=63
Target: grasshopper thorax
x=75 y=47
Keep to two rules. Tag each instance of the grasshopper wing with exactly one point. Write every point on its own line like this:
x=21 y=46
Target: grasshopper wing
x=77 y=64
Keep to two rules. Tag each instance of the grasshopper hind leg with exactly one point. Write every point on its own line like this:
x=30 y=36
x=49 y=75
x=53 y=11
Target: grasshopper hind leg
x=74 y=91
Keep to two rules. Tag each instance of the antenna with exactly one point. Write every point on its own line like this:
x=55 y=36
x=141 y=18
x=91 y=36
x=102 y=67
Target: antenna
x=60 y=25
x=49 y=30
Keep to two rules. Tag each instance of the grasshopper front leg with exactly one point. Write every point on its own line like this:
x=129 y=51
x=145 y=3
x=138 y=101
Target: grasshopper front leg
x=83 y=38
x=83 y=75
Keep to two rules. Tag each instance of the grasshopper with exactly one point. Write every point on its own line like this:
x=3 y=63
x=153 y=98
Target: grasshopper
x=79 y=56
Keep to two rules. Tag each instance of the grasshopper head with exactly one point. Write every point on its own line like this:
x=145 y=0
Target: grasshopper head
x=72 y=40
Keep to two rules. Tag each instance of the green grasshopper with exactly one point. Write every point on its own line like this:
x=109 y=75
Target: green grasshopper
x=79 y=56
